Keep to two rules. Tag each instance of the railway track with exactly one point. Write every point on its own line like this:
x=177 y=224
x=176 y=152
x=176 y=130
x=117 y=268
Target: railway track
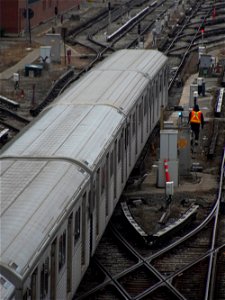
x=12 y=120
x=84 y=37
x=181 y=269
x=91 y=35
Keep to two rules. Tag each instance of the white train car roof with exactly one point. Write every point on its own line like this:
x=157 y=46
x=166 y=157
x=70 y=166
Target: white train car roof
x=44 y=166
x=35 y=196
x=80 y=133
x=147 y=62
x=118 y=81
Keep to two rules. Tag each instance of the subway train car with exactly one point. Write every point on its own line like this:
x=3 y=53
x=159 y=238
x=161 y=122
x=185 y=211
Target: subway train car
x=62 y=176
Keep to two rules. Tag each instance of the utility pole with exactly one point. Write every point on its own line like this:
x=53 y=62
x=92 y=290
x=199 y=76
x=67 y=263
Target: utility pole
x=28 y=14
x=63 y=34
x=109 y=16
x=27 y=22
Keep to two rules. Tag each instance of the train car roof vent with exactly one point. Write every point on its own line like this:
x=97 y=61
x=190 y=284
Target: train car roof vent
x=4 y=282
x=81 y=170
x=86 y=162
x=14 y=266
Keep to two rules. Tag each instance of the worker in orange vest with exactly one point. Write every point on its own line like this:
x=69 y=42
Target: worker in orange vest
x=196 y=119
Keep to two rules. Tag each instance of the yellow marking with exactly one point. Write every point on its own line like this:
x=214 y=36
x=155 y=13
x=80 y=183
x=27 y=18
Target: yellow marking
x=182 y=143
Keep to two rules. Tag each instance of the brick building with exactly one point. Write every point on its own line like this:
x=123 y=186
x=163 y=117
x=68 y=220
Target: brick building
x=13 y=12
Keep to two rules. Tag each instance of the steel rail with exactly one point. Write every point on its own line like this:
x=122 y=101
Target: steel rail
x=213 y=256
x=141 y=261
x=178 y=34
x=130 y=23
x=146 y=29
x=14 y=115
x=193 y=263
x=11 y=127
x=150 y=10
x=212 y=253
x=187 y=52
x=145 y=261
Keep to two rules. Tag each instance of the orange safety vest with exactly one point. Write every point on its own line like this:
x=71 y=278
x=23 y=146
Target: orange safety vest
x=196 y=117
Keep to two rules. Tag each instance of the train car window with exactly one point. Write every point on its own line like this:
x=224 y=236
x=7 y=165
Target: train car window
x=46 y=274
x=136 y=125
x=122 y=156
x=25 y=296
x=97 y=201
x=93 y=196
x=145 y=105
x=141 y=121
x=34 y=280
x=129 y=142
x=127 y=130
x=97 y=184
x=153 y=106
x=146 y=111
x=149 y=93
x=153 y=93
x=160 y=83
x=140 y=114
x=102 y=179
x=115 y=170
x=155 y=90
x=90 y=203
x=62 y=250
x=42 y=292
x=44 y=279
x=133 y=124
x=107 y=167
x=119 y=150
x=77 y=226
x=83 y=226
x=165 y=76
x=111 y=163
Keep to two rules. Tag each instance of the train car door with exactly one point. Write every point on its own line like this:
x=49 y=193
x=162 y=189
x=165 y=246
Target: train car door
x=129 y=145
x=115 y=171
x=126 y=152
x=153 y=105
x=146 y=115
x=83 y=240
x=91 y=199
x=107 y=181
x=127 y=149
x=137 y=131
x=122 y=156
x=97 y=197
x=141 y=121
x=53 y=270
x=34 y=285
x=150 y=108
x=69 y=254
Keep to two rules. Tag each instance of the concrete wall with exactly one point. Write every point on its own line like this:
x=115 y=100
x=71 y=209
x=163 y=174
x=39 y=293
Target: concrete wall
x=9 y=15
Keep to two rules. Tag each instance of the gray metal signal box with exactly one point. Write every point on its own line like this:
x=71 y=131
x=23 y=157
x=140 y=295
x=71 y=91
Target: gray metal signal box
x=168 y=151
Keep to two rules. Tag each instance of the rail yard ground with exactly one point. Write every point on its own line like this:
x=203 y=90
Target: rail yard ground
x=199 y=187
x=147 y=205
